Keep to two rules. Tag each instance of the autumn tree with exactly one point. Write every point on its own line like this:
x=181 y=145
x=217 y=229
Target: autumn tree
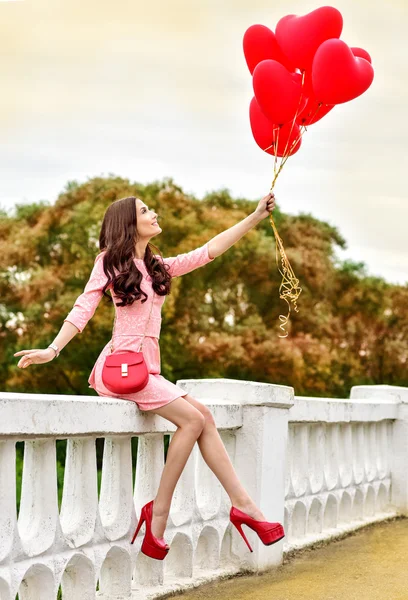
x=220 y=320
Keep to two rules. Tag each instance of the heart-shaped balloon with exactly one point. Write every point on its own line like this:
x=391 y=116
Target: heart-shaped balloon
x=277 y=91
x=284 y=140
x=361 y=53
x=300 y=37
x=260 y=44
x=337 y=75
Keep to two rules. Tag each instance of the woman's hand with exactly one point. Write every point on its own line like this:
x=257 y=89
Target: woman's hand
x=34 y=357
x=265 y=206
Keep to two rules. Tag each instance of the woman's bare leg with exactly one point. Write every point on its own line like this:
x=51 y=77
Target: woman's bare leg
x=190 y=423
x=216 y=456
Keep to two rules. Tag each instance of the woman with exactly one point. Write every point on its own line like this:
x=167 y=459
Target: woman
x=139 y=282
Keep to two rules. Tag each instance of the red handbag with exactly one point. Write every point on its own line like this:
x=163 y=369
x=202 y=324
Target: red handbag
x=126 y=372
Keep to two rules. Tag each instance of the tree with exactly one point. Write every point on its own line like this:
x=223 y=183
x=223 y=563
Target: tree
x=220 y=320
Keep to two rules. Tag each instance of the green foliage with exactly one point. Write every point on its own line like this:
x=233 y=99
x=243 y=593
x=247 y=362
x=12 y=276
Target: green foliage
x=351 y=327
x=30 y=213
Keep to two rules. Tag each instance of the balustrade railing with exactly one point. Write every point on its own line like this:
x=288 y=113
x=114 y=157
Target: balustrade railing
x=319 y=466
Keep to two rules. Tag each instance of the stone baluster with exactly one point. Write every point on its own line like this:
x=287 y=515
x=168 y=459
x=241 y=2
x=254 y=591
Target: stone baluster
x=399 y=454
x=7 y=497
x=80 y=496
x=116 y=496
x=38 y=516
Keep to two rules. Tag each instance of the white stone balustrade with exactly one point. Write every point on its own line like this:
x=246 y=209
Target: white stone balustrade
x=319 y=466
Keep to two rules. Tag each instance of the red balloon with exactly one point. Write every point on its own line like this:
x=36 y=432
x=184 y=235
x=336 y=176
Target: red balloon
x=277 y=91
x=260 y=44
x=313 y=112
x=300 y=37
x=361 y=53
x=267 y=134
x=337 y=75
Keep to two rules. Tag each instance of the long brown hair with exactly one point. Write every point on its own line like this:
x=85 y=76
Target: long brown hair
x=117 y=239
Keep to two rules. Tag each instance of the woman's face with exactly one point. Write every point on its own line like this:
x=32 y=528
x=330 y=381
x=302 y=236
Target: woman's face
x=146 y=219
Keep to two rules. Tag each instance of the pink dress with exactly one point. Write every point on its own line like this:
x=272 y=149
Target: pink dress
x=130 y=325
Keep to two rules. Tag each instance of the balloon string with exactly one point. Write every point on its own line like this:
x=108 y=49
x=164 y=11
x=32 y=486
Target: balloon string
x=294 y=143
x=276 y=150
x=317 y=110
x=289 y=289
x=275 y=146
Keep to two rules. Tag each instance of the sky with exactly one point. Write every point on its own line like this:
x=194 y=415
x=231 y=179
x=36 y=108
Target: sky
x=160 y=88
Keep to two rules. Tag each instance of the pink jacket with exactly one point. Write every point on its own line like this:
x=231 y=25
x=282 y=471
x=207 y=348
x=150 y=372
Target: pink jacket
x=132 y=320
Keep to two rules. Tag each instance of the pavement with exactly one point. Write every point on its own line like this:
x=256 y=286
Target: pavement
x=369 y=564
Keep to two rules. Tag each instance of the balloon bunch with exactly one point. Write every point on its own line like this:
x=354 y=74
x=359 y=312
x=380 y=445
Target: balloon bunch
x=299 y=73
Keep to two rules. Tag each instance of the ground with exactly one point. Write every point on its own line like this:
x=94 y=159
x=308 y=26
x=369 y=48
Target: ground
x=369 y=564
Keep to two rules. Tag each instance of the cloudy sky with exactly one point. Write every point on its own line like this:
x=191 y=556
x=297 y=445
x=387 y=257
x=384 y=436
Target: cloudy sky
x=146 y=89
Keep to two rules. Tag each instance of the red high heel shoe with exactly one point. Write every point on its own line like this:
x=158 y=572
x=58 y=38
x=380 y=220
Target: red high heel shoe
x=151 y=546
x=269 y=533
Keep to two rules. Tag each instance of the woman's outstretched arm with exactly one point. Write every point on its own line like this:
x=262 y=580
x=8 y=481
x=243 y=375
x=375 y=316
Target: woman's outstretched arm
x=38 y=356
x=224 y=240
x=66 y=333
x=188 y=261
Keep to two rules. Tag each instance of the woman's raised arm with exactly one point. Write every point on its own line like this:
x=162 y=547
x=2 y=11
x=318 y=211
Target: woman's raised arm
x=84 y=308
x=224 y=240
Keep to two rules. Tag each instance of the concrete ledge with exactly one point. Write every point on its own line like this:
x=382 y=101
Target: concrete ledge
x=390 y=393
x=42 y=415
x=240 y=391
x=332 y=410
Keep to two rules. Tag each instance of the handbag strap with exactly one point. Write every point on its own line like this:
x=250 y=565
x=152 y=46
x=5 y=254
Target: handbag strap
x=144 y=335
